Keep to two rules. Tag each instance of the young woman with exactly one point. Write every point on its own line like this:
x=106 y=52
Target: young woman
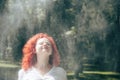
x=41 y=60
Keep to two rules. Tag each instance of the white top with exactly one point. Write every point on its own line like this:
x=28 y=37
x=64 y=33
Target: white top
x=56 y=73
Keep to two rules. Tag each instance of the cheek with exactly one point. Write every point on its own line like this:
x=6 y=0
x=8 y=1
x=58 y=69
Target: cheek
x=37 y=48
x=51 y=50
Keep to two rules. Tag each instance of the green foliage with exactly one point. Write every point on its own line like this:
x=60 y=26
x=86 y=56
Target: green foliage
x=2 y=5
x=19 y=43
x=112 y=39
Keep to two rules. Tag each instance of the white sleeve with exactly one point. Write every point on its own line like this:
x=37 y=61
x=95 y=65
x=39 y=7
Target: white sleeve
x=21 y=74
x=61 y=74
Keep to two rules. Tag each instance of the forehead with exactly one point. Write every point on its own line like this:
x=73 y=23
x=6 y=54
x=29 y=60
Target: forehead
x=43 y=40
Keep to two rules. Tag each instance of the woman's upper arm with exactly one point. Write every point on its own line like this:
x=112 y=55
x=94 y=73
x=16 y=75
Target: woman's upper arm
x=62 y=74
x=20 y=74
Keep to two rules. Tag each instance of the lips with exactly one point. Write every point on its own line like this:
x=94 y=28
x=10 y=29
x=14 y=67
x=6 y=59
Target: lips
x=44 y=48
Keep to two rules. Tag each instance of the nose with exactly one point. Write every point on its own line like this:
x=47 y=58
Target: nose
x=44 y=44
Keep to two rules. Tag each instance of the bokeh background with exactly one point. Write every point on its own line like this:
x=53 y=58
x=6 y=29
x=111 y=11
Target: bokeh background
x=87 y=34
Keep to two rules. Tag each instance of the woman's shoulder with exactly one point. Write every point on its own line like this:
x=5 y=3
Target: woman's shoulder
x=21 y=72
x=60 y=73
x=60 y=70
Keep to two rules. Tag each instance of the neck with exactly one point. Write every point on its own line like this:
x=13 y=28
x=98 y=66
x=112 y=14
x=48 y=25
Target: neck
x=42 y=62
x=43 y=66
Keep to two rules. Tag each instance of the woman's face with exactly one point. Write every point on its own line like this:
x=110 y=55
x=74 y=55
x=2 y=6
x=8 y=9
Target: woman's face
x=43 y=46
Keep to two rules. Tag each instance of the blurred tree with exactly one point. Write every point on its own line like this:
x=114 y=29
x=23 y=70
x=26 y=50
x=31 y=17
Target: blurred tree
x=2 y=5
x=113 y=37
x=20 y=39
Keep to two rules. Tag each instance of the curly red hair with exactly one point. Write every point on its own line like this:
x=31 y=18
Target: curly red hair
x=29 y=51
